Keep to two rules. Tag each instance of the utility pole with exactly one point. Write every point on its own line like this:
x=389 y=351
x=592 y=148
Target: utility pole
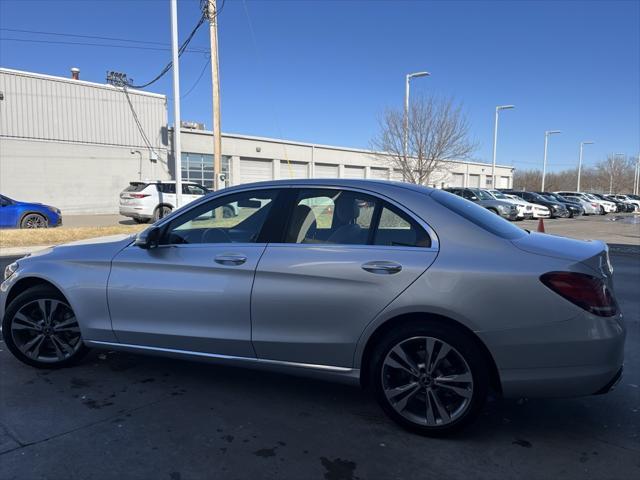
x=177 y=148
x=212 y=14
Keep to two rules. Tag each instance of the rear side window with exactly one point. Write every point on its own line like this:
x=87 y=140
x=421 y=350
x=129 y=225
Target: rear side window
x=480 y=216
x=166 y=187
x=136 y=187
x=398 y=230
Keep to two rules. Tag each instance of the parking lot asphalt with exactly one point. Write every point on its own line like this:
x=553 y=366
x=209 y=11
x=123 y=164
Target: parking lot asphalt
x=137 y=417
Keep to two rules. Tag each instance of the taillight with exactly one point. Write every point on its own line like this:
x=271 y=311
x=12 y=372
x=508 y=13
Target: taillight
x=139 y=195
x=583 y=290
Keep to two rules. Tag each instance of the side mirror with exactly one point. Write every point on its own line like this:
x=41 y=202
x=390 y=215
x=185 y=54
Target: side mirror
x=149 y=238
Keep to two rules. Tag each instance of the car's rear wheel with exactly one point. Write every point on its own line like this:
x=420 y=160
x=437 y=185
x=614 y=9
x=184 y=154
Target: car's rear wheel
x=34 y=220
x=161 y=212
x=41 y=329
x=429 y=378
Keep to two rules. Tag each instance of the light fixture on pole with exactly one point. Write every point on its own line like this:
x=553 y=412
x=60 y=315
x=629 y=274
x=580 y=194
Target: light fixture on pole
x=613 y=165
x=133 y=152
x=495 y=142
x=544 y=161
x=177 y=149
x=582 y=144
x=405 y=142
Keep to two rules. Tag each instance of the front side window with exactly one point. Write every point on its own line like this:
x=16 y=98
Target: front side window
x=189 y=189
x=235 y=218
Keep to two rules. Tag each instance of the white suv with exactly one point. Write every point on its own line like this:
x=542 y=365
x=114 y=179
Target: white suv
x=144 y=201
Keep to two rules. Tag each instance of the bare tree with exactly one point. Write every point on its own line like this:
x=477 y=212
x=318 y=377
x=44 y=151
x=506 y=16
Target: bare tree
x=437 y=133
x=615 y=172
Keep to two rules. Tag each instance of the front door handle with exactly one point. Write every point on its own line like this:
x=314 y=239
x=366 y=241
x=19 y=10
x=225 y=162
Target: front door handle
x=382 y=267
x=230 y=259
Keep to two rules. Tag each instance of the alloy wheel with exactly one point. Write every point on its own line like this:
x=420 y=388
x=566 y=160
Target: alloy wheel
x=427 y=381
x=34 y=221
x=46 y=330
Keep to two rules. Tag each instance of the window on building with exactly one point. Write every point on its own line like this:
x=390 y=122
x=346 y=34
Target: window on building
x=198 y=167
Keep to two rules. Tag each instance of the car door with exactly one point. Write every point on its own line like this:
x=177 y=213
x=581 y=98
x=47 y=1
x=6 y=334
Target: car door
x=192 y=292
x=345 y=255
x=8 y=213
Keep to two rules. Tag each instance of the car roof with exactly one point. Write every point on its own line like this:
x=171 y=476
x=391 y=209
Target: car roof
x=366 y=184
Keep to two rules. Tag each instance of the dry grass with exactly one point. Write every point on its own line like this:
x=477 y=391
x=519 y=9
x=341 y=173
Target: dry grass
x=55 y=236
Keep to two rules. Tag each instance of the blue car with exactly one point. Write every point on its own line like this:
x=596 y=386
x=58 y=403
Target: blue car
x=15 y=214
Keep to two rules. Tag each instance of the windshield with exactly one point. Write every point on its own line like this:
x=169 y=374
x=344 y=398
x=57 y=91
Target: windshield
x=136 y=187
x=500 y=196
x=537 y=197
x=479 y=215
x=483 y=194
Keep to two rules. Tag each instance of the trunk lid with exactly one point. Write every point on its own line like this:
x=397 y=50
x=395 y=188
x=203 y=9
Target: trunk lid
x=592 y=253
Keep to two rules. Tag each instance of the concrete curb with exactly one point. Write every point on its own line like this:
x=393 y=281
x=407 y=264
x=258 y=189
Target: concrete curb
x=20 y=251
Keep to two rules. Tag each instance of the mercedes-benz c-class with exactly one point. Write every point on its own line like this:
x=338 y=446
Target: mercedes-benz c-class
x=423 y=297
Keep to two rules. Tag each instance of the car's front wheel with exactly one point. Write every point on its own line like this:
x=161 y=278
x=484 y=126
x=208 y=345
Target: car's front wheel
x=41 y=329
x=34 y=220
x=429 y=378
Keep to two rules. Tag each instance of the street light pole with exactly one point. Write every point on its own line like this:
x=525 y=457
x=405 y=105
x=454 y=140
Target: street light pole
x=613 y=164
x=636 y=185
x=495 y=142
x=582 y=144
x=544 y=161
x=177 y=149
x=405 y=142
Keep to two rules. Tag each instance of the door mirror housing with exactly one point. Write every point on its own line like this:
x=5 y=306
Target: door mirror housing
x=149 y=238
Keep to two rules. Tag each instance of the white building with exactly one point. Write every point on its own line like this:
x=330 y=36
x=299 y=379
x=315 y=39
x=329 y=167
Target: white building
x=76 y=145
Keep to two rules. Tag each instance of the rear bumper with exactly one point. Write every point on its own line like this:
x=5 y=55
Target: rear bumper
x=134 y=212
x=581 y=356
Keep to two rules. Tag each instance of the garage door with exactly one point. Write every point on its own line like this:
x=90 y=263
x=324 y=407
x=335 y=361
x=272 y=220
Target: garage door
x=323 y=170
x=503 y=182
x=456 y=180
x=380 y=173
x=474 y=181
x=353 y=172
x=255 y=170
x=294 y=169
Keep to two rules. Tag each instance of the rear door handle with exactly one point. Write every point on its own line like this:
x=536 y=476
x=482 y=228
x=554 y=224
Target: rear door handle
x=230 y=259
x=382 y=267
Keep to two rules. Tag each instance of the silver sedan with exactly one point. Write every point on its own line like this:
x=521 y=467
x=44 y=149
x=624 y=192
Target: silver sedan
x=425 y=298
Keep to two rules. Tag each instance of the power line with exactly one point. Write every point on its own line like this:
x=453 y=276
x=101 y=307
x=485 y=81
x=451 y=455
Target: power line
x=204 y=68
x=84 y=44
x=77 y=35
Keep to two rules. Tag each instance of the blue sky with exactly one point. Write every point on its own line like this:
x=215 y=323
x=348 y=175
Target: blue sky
x=323 y=71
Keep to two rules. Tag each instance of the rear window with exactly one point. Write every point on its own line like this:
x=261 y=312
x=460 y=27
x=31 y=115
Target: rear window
x=482 y=217
x=136 y=187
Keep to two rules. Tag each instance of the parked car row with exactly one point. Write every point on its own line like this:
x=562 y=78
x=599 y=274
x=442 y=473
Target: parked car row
x=523 y=205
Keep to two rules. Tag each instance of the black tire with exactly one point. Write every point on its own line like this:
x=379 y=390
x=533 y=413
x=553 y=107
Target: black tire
x=160 y=212
x=34 y=220
x=41 y=292
x=602 y=210
x=463 y=344
x=141 y=220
